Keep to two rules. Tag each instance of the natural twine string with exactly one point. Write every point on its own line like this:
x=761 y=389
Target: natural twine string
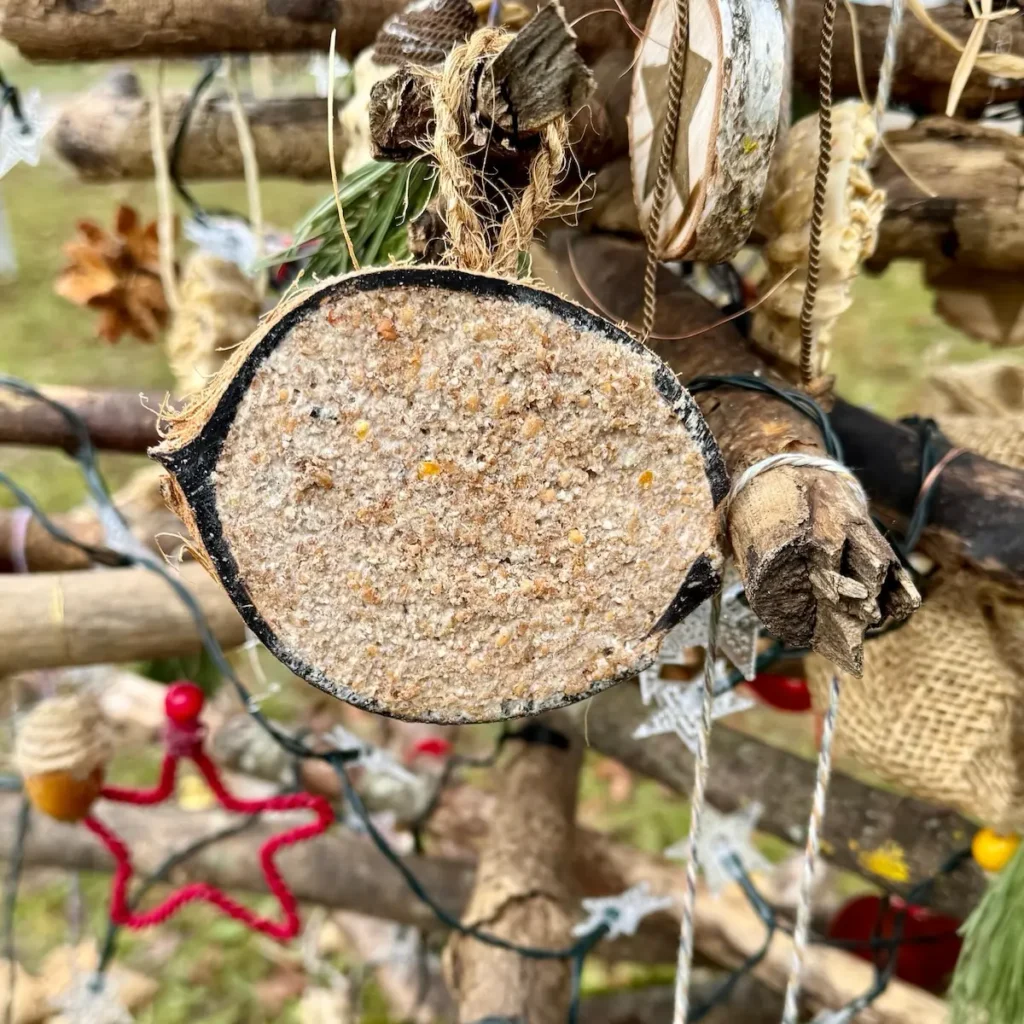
x=684 y=963
x=164 y=200
x=791 y=459
x=887 y=70
x=808 y=336
x=459 y=186
x=666 y=156
x=802 y=930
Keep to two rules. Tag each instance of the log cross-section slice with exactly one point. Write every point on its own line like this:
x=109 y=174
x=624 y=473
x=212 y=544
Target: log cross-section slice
x=450 y=497
x=732 y=92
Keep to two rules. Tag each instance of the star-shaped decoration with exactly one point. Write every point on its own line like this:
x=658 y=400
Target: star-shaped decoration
x=91 y=999
x=184 y=738
x=21 y=139
x=738 y=630
x=623 y=913
x=680 y=708
x=723 y=835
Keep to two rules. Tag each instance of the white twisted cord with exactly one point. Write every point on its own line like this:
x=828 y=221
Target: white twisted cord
x=700 y=777
x=887 y=70
x=801 y=931
x=791 y=459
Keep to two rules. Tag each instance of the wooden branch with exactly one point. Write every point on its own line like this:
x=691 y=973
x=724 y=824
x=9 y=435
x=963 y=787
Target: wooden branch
x=49 y=620
x=925 y=66
x=977 y=510
x=118 y=29
x=860 y=819
x=976 y=218
x=104 y=134
x=118 y=421
x=815 y=568
x=522 y=892
x=366 y=883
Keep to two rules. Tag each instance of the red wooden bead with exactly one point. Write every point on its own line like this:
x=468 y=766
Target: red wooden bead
x=184 y=702
x=783 y=692
x=430 y=746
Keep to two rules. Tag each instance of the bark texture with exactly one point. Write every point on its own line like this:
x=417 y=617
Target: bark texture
x=118 y=421
x=113 y=29
x=523 y=892
x=104 y=135
x=51 y=620
x=816 y=570
x=976 y=219
x=860 y=818
x=977 y=506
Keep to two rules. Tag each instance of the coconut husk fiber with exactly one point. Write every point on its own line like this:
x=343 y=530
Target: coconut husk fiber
x=940 y=708
x=446 y=496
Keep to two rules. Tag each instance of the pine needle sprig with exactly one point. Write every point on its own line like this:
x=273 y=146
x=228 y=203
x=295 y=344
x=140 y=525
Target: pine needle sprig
x=988 y=985
x=380 y=200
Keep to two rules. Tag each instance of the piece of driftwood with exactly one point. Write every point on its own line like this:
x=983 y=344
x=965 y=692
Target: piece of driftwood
x=523 y=892
x=117 y=421
x=119 y=29
x=860 y=818
x=104 y=134
x=732 y=95
x=49 y=620
x=977 y=506
x=815 y=568
x=457 y=499
x=975 y=220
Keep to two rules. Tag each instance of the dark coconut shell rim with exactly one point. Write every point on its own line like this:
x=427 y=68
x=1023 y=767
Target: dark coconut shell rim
x=194 y=462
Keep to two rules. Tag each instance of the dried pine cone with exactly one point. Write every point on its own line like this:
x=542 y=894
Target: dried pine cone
x=118 y=274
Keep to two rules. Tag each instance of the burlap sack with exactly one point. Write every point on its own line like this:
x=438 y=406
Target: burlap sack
x=940 y=709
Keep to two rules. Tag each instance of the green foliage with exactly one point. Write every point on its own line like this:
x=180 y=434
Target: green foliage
x=988 y=986
x=379 y=201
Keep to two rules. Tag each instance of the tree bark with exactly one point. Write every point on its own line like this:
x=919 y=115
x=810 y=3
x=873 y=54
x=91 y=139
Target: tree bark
x=925 y=66
x=118 y=29
x=860 y=818
x=50 y=620
x=977 y=505
x=104 y=135
x=523 y=892
x=976 y=218
x=118 y=421
x=815 y=569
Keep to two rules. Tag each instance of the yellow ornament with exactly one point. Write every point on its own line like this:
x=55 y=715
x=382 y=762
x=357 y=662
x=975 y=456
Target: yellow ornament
x=61 y=750
x=993 y=851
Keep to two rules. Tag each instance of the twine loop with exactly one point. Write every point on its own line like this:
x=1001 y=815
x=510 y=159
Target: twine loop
x=459 y=185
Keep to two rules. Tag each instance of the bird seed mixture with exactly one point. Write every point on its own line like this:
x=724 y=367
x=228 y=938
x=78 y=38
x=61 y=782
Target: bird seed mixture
x=460 y=508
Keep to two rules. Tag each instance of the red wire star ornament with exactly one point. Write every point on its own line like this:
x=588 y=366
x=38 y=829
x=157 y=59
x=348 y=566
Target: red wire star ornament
x=184 y=739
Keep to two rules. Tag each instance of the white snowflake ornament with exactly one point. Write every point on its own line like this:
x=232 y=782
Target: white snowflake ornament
x=679 y=711
x=623 y=913
x=723 y=835
x=91 y=999
x=21 y=139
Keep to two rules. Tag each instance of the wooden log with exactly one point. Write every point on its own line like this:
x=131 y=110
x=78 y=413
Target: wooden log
x=925 y=65
x=119 y=29
x=860 y=818
x=816 y=570
x=50 y=620
x=522 y=892
x=104 y=134
x=118 y=421
x=978 y=505
x=975 y=219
